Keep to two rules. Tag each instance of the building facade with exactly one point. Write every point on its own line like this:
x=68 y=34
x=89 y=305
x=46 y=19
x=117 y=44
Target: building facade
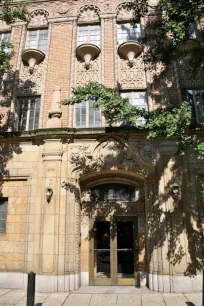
x=82 y=203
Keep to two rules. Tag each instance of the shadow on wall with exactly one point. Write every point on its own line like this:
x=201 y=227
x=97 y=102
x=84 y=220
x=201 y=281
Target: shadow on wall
x=10 y=87
x=172 y=220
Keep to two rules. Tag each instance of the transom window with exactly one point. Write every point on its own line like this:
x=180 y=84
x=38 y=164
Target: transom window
x=3 y=214
x=37 y=39
x=196 y=100
x=139 y=99
x=128 y=31
x=29 y=114
x=113 y=192
x=89 y=34
x=86 y=115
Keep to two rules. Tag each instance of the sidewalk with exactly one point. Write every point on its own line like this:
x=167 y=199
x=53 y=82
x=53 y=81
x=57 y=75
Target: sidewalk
x=102 y=296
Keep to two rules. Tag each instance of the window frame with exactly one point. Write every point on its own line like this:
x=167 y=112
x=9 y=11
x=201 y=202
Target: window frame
x=3 y=200
x=87 y=116
x=195 y=120
x=89 y=31
x=128 y=23
x=37 y=39
x=132 y=99
x=28 y=99
x=106 y=187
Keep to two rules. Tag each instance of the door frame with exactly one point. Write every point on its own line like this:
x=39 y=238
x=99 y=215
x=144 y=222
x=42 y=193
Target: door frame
x=113 y=280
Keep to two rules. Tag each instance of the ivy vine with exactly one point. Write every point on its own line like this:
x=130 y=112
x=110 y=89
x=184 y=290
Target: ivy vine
x=161 y=123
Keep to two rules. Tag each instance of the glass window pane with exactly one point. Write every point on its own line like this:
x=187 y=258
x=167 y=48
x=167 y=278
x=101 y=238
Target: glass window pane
x=3 y=214
x=127 y=32
x=29 y=114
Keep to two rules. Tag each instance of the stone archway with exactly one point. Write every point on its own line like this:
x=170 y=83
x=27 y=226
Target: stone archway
x=106 y=160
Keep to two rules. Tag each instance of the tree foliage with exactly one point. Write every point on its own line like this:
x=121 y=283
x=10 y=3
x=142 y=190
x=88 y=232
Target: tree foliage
x=172 y=25
x=161 y=123
x=9 y=13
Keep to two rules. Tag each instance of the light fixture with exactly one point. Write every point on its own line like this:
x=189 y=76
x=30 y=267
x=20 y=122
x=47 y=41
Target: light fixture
x=49 y=193
x=87 y=52
x=175 y=188
x=130 y=49
x=31 y=57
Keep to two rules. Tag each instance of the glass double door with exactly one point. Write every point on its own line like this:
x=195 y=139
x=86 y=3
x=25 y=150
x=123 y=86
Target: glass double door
x=114 y=252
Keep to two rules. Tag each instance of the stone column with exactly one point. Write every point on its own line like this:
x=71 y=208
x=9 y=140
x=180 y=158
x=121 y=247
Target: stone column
x=47 y=249
x=72 y=251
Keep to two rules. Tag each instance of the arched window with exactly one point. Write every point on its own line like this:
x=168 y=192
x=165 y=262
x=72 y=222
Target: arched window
x=113 y=192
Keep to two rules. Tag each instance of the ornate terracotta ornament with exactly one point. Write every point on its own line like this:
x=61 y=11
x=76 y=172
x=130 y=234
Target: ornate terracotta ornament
x=31 y=57
x=87 y=52
x=63 y=8
x=89 y=14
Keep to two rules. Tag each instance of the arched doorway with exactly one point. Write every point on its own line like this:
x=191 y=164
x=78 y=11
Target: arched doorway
x=113 y=229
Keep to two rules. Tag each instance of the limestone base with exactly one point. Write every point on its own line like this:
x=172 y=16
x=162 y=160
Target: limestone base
x=176 y=284
x=44 y=283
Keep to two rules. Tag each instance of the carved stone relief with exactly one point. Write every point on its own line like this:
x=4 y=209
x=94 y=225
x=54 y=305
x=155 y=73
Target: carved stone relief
x=4 y=26
x=63 y=8
x=125 y=11
x=89 y=14
x=91 y=75
x=31 y=83
x=186 y=79
x=39 y=18
x=147 y=153
x=110 y=154
x=132 y=77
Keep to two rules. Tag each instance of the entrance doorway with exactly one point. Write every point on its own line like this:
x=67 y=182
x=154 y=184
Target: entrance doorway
x=114 y=252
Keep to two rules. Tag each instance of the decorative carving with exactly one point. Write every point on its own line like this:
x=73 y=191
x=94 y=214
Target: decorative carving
x=31 y=83
x=141 y=224
x=146 y=153
x=125 y=12
x=186 y=79
x=132 y=77
x=91 y=75
x=107 y=7
x=89 y=14
x=39 y=18
x=111 y=153
x=4 y=26
x=63 y=8
x=132 y=165
x=55 y=111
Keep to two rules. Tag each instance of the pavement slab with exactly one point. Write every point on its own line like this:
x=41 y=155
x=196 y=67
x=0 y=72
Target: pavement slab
x=4 y=291
x=56 y=299
x=153 y=300
x=194 y=299
x=129 y=300
x=101 y=296
x=103 y=300
x=12 y=297
x=177 y=299
x=78 y=300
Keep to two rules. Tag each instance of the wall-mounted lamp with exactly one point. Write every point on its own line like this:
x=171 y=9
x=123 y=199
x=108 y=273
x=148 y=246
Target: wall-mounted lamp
x=175 y=189
x=49 y=193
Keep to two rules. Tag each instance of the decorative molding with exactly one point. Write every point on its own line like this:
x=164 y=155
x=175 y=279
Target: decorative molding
x=89 y=14
x=39 y=18
x=186 y=79
x=63 y=8
x=132 y=77
x=31 y=83
x=91 y=75
x=125 y=11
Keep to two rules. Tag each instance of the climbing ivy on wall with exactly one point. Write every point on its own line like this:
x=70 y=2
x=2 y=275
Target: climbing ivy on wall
x=172 y=24
x=161 y=123
x=9 y=14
